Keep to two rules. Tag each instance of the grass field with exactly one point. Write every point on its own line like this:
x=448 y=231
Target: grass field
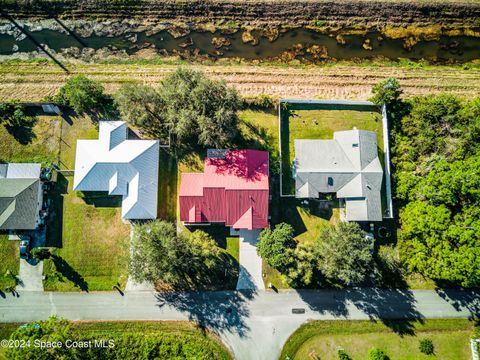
x=187 y=333
x=9 y=262
x=92 y=241
x=33 y=81
x=322 y=339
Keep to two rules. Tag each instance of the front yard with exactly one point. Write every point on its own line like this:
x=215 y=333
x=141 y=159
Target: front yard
x=450 y=337
x=9 y=262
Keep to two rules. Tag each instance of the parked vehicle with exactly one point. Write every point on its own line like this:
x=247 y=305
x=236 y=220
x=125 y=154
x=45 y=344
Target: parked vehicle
x=25 y=248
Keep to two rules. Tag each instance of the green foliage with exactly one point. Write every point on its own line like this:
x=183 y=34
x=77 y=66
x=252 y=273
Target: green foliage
x=41 y=253
x=302 y=268
x=386 y=92
x=12 y=115
x=160 y=254
x=343 y=253
x=259 y=102
x=197 y=110
x=426 y=346
x=81 y=94
x=377 y=354
x=51 y=330
x=276 y=246
x=342 y=355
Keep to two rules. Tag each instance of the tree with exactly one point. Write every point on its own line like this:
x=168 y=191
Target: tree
x=276 y=246
x=426 y=346
x=301 y=269
x=12 y=115
x=159 y=254
x=344 y=253
x=197 y=110
x=386 y=92
x=377 y=354
x=82 y=94
x=52 y=330
x=142 y=106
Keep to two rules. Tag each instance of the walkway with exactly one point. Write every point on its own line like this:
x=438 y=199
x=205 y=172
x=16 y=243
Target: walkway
x=254 y=324
x=250 y=276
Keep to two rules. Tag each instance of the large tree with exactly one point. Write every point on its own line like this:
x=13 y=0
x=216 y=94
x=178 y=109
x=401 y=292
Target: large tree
x=276 y=246
x=82 y=94
x=160 y=254
x=197 y=110
x=344 y=253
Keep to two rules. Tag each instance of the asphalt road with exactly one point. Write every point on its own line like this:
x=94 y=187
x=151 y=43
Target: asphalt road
x=254 y=325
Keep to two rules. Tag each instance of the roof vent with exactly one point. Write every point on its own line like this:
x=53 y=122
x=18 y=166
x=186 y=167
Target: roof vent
x=355 y=145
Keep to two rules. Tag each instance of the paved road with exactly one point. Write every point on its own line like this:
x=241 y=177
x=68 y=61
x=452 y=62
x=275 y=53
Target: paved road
x=254 y=325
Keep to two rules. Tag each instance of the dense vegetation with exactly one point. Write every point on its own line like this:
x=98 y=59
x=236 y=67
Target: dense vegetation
x=180 y=341
x=341 y=255
x=176 y=260
x=187 y=105
x=437 y=183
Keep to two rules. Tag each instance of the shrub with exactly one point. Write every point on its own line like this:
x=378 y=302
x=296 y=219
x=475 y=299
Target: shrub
x=342 y=355
x=377 y=354
x=426 y=346
x=260 y=102
x=81 y=94
x=275 y=246
x=41 y=253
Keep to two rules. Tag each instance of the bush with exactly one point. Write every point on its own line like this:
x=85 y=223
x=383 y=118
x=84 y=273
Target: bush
x=377 y=354
x=275 y=246
x=342 y=355
x=426 y=346
x=81 y=94
x=12 y=114
x=260 y=102
x=41 y=253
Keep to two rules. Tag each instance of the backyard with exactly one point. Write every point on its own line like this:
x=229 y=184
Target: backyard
x=323 y=339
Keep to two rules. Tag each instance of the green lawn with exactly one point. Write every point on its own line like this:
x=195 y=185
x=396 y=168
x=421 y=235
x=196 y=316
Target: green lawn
x=320 y=124
x=87 y=228
x=183 y=337
x=9 y=262
x=233 y=247
x=451 y=339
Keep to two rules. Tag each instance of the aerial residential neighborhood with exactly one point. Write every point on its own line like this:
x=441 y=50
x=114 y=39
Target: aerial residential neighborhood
x=240 y=180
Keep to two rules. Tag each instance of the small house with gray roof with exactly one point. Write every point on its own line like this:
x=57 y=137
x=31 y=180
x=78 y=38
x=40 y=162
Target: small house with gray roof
x=21 y=196
x=348 y=165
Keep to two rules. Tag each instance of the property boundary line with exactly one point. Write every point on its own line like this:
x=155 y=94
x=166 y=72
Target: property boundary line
x=344 y=105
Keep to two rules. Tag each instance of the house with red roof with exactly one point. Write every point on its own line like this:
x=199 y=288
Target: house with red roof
x=233 y=189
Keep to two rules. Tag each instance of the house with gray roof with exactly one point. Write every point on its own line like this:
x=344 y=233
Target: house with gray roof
x=21 y=196
x=348 y=165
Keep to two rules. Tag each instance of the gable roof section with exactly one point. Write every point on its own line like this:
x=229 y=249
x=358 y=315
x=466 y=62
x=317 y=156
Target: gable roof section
x=19 y=199
x=347 y=165
x=120 y=166
x=233 y=189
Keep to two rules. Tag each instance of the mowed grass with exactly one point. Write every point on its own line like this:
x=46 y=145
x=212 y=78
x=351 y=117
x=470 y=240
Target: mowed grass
x=9 y=262
x=39 y=145
x=450 y=337
x=87 y=228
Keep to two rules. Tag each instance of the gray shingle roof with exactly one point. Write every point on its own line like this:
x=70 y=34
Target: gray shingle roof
x=347 y=165
x=19 y=203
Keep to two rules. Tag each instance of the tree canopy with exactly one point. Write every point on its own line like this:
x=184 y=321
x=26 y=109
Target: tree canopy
x=160 y=254
x=82 y=94
x=276 y=246
x=344 y=253
x=195 y=109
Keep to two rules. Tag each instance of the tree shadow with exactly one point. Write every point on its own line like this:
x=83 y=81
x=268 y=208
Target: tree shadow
x=462 y=299
x=54 y=223
x=22 y=131
x=69 y=273
x=395 y=308
x=217 y=311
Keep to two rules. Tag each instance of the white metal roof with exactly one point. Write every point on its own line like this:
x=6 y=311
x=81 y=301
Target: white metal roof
x=121 y=167
x=347 y=165
x=20 y=171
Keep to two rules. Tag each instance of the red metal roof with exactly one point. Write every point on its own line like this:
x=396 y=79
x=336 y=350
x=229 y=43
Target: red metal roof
x=233 y=190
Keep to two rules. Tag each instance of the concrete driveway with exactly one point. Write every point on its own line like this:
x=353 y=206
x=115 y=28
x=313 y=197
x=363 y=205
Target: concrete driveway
x=250 y=277
x=30 y=276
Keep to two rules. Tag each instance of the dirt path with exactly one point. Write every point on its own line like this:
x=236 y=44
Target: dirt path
x=30 y=81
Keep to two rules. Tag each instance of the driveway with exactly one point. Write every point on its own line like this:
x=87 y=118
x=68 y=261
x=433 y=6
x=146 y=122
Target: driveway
x=255 y=325
x=30 y=276
x=250 y=276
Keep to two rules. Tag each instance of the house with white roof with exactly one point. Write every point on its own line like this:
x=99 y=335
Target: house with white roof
x=348 y=165
x=120 y=166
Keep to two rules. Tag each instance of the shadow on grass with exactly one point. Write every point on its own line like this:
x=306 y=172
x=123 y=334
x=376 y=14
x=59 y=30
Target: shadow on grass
x=22 y=132
x=68 y=273
x=385 y=305
x=54 y=221
x=100 y=199
x=218 y=311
